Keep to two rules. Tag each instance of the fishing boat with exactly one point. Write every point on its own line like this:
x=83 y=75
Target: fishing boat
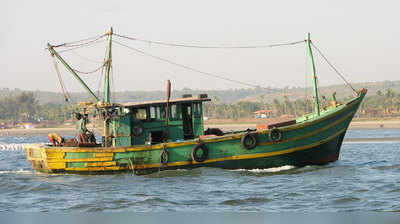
x=168 y=134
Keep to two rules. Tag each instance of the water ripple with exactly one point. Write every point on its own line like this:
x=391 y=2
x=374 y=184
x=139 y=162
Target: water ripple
x=366 y=178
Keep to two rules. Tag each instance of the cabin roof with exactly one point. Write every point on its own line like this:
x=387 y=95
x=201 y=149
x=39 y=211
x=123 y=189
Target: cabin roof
x=157 y=102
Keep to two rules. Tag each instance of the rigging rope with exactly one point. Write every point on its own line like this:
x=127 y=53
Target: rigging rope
x=90 y=72
x=210 y=46
x=333 y=67
x=86 y=58
x=77 y=43
x=305 y=72
x=102 y=73
x=65 y=93
x=112 y=87
x=71 y=49
x=186 y=67
x=97 y=39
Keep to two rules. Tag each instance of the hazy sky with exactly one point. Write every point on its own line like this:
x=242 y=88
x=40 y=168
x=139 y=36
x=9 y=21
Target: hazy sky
x=362 y=38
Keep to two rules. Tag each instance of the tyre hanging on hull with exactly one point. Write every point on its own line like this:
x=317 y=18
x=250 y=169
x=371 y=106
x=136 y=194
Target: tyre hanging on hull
x=249 y=141
x=275 y=135
x=201 y=147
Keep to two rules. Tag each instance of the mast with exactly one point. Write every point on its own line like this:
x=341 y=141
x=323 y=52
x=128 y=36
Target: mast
x=107 y=89
x=54 y=53
x=316 y=106
x=167 y=109
x=108 y=67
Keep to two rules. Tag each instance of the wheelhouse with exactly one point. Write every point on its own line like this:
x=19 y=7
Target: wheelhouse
x=142 y=123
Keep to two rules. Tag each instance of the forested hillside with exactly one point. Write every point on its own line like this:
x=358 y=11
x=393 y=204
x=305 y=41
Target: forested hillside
x=223 y=96
x=382 y=100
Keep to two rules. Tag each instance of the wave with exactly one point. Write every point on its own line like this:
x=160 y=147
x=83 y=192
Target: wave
x=14 y=146
x=21 y=171
x=269 y=170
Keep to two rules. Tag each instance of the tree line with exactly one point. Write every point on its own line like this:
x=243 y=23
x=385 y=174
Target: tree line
x=24 y=106
x=246 y=109
x=382 y=104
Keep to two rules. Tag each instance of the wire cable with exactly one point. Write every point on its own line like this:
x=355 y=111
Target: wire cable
x=65 y=93
x=81 y=46
x=101 y=74
x=207 y=47
x=77 y=43
x=187 y=67
x=333 y=67
x=89 y=72
x=86 y=58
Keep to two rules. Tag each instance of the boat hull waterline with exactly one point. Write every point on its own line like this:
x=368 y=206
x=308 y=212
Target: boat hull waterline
x=314 y=141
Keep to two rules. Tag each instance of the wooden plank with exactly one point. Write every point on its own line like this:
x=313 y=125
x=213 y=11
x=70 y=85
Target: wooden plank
x=103 y=154
x=101 y=164
x=93 y=169
x=55 y=155
x=57 y=165
x=101 y=159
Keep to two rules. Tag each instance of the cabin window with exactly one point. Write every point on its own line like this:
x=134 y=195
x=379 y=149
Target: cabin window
x=152 y=112
x=157 y=112
x=162 y=112
x=174 y=112
x=197 y=109
x=139 y=114
x=189 y=111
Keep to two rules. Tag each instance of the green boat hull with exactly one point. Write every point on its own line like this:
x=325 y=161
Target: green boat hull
x=313 y=140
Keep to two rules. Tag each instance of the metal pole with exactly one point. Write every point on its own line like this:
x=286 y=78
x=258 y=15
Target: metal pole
x=316 y=106
x=107 y=88
x=108 y=67
x=53 y=52
x=167 y=108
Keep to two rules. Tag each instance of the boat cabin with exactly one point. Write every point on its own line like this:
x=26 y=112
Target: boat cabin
x=142 y=123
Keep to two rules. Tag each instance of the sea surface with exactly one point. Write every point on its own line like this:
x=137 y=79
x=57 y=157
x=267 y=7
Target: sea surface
x=366 y=178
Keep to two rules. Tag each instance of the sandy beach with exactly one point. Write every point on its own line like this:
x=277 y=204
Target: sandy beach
x=70 y=131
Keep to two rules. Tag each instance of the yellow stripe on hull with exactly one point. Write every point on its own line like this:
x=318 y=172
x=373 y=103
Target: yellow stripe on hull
x=96 y=169
x=101 y=164
x=56 y=166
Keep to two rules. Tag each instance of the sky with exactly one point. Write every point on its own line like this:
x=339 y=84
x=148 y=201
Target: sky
x=361 y=38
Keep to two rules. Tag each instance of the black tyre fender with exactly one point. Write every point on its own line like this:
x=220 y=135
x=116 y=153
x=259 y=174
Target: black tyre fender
x=164 y=157
x=249 y=137
x=275 y=135
x=204 y=156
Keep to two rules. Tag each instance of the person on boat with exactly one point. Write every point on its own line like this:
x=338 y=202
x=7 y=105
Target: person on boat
x=81 y=127
x=333 y=101
x=55 y=139
x=84 y=135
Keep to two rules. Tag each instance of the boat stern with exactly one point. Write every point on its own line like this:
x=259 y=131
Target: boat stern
x=36 y=155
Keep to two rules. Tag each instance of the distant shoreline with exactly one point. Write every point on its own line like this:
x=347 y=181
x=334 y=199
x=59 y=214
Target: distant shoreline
x=70 y=131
